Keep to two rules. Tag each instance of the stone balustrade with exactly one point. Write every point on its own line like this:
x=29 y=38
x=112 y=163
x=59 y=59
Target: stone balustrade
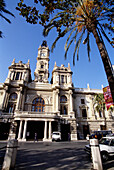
x=36 y=113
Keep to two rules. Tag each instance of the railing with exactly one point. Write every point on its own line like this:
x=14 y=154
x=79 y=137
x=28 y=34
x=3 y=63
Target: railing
x=37 y=113
x=88 y=90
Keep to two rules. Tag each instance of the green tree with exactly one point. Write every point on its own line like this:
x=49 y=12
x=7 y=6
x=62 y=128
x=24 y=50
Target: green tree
x=99 y=103
x=5 y=11
x=78 y=19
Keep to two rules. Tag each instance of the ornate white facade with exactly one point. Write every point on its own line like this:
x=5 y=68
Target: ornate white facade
x=39 y=107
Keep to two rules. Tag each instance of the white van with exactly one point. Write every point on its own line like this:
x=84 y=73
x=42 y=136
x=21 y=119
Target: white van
x=56 y=136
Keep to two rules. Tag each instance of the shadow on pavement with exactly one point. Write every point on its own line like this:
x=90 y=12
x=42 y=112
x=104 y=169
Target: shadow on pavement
x=109 y=164
x=52 y=159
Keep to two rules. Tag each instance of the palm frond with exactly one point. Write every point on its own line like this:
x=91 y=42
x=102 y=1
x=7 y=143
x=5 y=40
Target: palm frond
x=80 y=39
x=103 y=32
x=5 y=18
x=70 y=36
x=68 y=48
x=57 y=15
x=59 y=36
x=3 y=10
x=81 y=3
x=7 y=12
x=74 y=37
x=110 y=28
x=0 y=34
x=54 y=43
x=47 y=29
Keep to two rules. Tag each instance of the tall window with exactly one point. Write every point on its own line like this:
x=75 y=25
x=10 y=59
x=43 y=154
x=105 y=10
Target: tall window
x=62 y=78
x=38 y=105
x=17 y=76
x=84 y=113
x=63 y=105
x=82 y=101
x=12 y=103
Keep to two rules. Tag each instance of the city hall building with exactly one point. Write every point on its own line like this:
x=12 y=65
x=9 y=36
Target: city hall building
x=38 y=106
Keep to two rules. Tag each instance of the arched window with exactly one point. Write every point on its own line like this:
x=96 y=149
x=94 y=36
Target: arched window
x=12 y=103
x=63 y=99
x=38 y=105
x=13 y=96
x=63 y=105
x=11 y=107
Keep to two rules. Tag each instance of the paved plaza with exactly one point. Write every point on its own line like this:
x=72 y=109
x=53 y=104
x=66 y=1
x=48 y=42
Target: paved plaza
x=54 y=156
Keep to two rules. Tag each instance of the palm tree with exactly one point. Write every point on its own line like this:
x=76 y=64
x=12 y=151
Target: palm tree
x=79 y=18
x=99 y=104
x=4 y=10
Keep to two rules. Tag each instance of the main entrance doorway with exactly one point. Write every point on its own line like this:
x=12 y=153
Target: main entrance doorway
x=35 y=127
x=65 y=129
x=85 y=130
x=4 y=130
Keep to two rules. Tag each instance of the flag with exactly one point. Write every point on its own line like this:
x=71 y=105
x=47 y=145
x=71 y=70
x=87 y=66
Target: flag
x=108 y=97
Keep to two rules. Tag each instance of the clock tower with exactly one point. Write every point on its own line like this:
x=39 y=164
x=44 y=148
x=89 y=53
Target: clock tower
x=41 y=72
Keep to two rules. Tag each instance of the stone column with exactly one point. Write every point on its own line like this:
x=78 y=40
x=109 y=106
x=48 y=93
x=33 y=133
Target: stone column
x=45 y=130
x=23 y=76
x=49 y=129
x=73 y=130
x=4 y=97
x=25 y=130
x=57 y=100
x=19 y=99
x=12 y=74
x=54 y=104
x=57 y=79
x=23 y=99
x=71 y=101
x=20 y=130
x=9 y=75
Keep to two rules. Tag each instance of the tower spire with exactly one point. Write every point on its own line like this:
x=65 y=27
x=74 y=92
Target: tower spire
x=41 y=72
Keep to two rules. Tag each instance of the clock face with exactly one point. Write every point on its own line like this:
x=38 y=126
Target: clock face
x=42 y=54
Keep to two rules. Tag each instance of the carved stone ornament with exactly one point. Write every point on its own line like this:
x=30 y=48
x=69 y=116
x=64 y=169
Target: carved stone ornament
x=30 y=98
x=13 y=62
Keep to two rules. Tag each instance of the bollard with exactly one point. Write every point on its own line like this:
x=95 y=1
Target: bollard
x=96 y=156
x=10 y=156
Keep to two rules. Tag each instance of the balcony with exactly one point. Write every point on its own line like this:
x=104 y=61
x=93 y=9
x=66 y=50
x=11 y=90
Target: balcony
x=36 y=114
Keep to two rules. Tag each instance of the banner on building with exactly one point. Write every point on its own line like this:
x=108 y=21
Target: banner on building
x=108 y=97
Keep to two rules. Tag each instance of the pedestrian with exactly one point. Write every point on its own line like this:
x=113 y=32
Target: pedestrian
x=68 y=136
x=35 y=137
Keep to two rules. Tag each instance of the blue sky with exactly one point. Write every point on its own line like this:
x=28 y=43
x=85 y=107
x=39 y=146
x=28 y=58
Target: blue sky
x=21 y=41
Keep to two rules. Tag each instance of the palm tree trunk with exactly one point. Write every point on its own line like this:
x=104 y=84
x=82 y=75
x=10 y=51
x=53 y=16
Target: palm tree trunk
x=105 y=59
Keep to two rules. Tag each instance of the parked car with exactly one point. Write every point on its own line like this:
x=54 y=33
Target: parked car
x=56 y=136
x=109 y=135
x=106 y=145
x=99 y=134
